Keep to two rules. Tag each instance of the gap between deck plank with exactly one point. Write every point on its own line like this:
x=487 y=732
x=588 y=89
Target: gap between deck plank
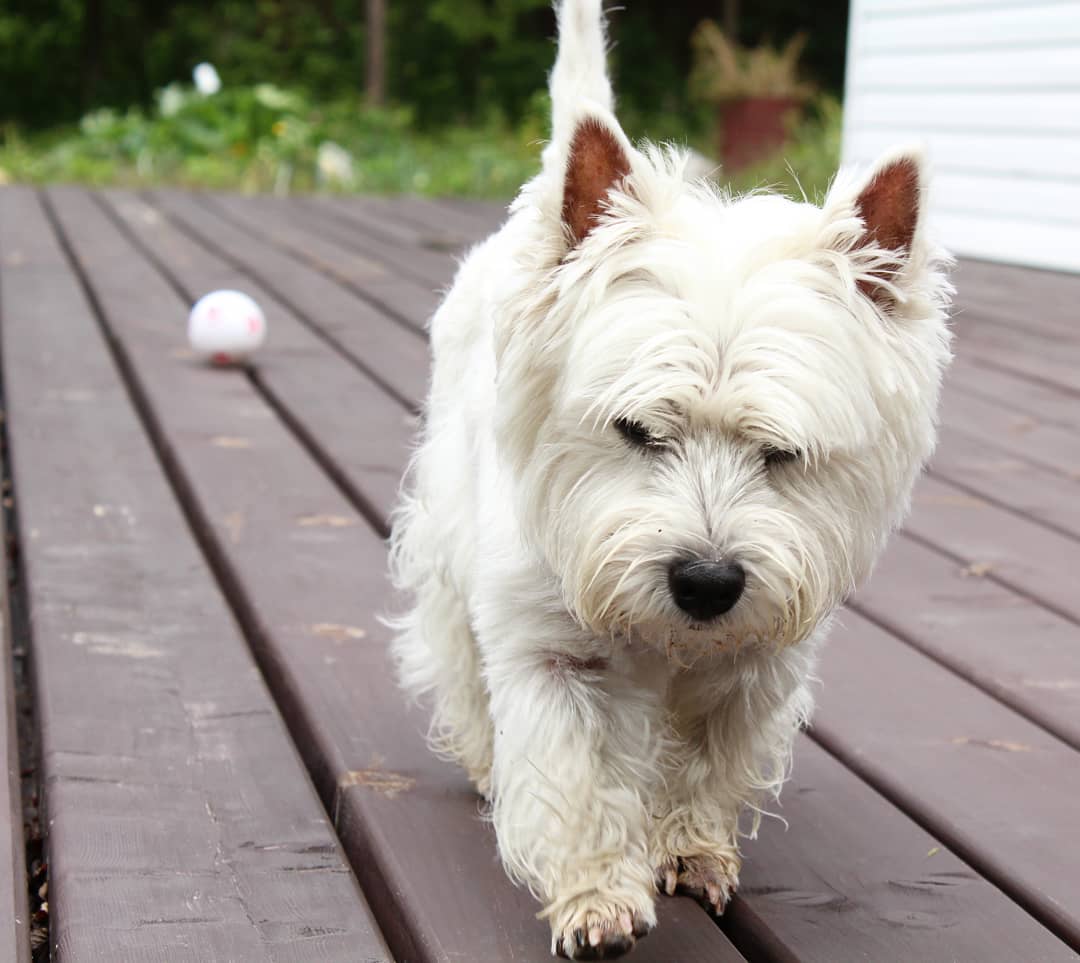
x=333 y=433
x=14 y=904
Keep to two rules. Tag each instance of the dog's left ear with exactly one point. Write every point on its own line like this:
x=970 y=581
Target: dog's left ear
x=890 y=203
x=597 y=162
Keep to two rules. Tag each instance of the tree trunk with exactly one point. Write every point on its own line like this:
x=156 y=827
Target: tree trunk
x=93 y=41
x=376 y=52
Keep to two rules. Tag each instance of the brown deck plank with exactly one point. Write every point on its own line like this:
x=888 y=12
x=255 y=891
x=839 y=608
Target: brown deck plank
x=14 y=910
x=275 y=221
x=1050 y=497
x=407 y=819
x=852 y=878
x=1000 y=791
x=985 y=324
x=803 y=920
x=1019 y=297
x=389 y=352
x=1013 y=352
x=381 y=216
x=1010 y=646
x=467 y=219
x=411 y=251
x=1050 y=403
x=1005 y=428
x=1029 y=558
x=181 y=823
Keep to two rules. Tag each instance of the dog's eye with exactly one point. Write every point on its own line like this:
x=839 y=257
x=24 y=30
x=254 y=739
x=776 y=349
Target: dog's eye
x=637 y=434
x=779 y=456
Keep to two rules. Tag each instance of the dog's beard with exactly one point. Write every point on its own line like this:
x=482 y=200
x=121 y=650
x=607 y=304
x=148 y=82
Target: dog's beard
x=610 y=553
x=622 y=590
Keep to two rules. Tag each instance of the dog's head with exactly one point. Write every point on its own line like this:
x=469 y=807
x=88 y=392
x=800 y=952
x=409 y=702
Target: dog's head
x=714 y=409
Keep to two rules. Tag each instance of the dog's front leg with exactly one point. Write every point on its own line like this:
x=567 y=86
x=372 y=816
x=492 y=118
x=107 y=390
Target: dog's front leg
x=732 y=728
x=578 y=732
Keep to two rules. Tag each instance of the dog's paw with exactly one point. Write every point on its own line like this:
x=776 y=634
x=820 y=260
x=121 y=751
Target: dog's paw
x=601 y=933
x=710 y=879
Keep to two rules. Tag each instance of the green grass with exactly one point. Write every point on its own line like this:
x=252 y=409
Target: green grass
x=264 y=138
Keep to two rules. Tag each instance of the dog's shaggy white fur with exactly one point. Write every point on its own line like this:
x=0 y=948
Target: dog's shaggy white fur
x=638 y=373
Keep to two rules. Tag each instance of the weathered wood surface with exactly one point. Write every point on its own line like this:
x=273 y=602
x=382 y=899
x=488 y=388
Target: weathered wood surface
x=14 y=909
x=929 y=807
x=399 y=811
x=327 y=433
x=191 y=269
x=181 y=823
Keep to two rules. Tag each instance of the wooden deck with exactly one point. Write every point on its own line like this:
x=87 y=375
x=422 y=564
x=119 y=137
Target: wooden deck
x=229 y=772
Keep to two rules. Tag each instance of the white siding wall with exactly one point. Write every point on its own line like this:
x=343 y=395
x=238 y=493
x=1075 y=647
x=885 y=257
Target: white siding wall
x=992 y=88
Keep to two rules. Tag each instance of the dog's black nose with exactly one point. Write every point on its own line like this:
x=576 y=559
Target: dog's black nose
x=705 y=590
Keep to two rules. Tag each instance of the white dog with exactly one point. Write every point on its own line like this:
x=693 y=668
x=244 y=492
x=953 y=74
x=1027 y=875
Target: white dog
x=668 y=433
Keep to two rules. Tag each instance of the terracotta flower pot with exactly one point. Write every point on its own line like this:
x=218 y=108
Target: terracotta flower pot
x=751 y=129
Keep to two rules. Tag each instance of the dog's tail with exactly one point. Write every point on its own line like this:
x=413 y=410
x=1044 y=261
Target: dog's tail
x=580 y=77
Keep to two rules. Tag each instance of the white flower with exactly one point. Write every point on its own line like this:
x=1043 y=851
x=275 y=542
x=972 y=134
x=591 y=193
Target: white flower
x=275 y=98
x=334 y=162
x=170 y=100
x=207 y=81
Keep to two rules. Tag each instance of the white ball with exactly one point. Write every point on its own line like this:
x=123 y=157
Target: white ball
x=226 y=326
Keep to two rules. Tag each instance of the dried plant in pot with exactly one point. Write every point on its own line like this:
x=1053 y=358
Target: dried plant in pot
x=756 y=92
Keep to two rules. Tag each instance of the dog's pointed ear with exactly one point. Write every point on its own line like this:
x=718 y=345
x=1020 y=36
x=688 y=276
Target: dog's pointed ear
x=890 y=203
x=597 y=162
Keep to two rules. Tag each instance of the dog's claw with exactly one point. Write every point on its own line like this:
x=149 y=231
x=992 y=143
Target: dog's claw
x=667 y=876
x=711 y=881
x=671 y=880
x=602 y=940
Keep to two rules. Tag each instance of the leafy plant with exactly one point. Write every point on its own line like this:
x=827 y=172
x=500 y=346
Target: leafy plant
x=723 y=71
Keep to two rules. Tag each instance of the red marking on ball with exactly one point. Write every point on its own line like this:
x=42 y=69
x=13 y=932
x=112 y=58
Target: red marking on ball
x=221 y=358
x=253 y=325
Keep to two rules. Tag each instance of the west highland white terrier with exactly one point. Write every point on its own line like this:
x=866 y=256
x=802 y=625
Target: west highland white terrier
x=668 y=433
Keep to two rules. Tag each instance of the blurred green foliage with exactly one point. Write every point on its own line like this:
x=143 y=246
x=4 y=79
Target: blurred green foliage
x=99 y=91
x=448 y=60
x=263 y=137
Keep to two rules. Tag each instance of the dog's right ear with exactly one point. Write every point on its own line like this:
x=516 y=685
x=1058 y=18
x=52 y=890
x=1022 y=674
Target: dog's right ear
x=597 y=162
x=887 y=247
